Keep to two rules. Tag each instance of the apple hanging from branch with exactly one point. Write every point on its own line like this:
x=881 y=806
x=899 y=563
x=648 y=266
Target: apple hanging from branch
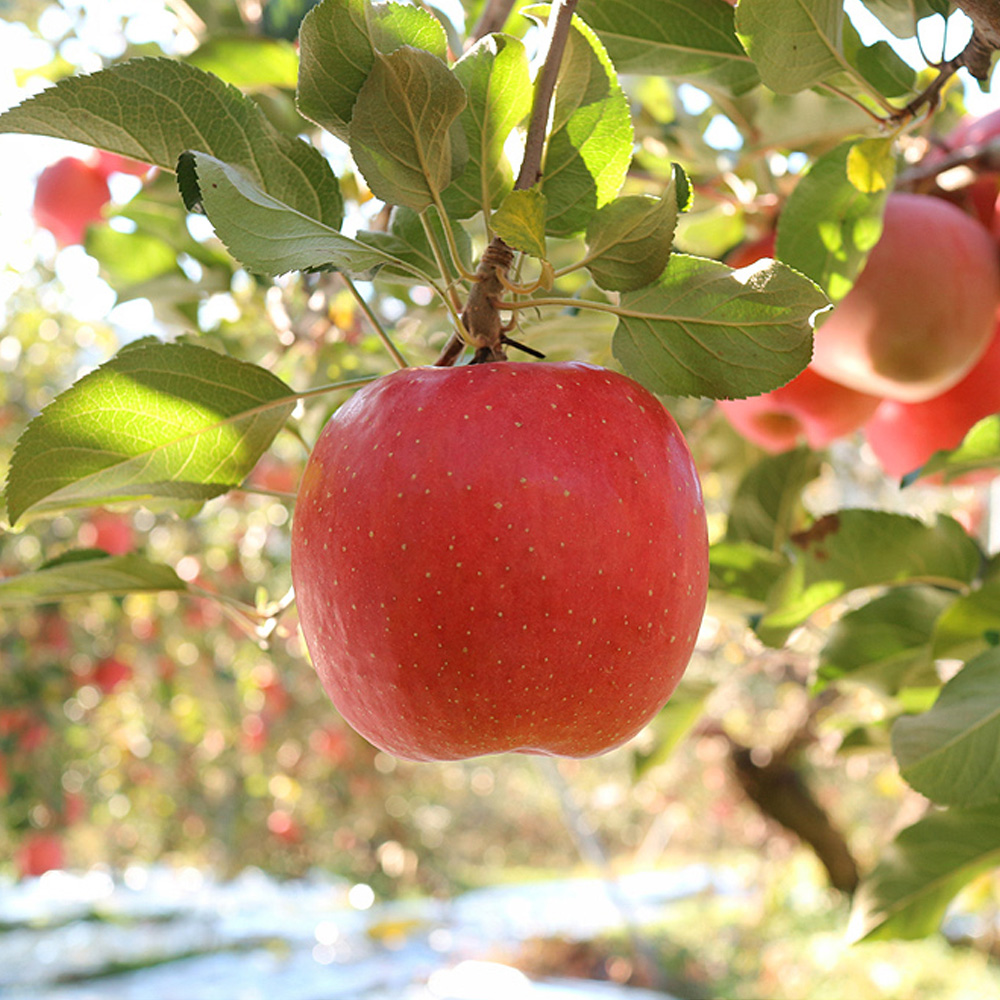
x=506 y=556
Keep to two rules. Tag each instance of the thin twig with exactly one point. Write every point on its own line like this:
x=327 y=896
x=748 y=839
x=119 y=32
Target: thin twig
x=480 y=305
x=387 y=343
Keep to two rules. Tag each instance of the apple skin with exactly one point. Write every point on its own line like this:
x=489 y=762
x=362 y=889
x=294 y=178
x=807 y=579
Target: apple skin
x=69 y=195
x=500 y=557
x=922 y=311
x=904 y=435
x=810 y=408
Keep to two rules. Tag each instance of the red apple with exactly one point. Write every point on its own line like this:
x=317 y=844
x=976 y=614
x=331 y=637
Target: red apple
x=922 y=311
x=751 y=251
x=38 y=854
x=810 y=408
x=69 y=196
x=904 y=435
x=495 y=557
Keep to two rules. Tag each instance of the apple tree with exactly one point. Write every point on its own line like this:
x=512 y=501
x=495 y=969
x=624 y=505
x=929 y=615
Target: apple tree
x=702 y=197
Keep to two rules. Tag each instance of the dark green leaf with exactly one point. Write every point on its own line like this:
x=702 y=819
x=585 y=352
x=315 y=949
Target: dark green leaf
x=157 y=420
x=629 y=240
x=793 y=44
x=864 y=548
x=403 y=133
x=265 y=235
x=949 y=753
x=767 y=506
x=93 y=572
x=338 y=44
x=887 y=642
x=925 y=867
x=687 y=39
x=154 y=109
x=703 y=329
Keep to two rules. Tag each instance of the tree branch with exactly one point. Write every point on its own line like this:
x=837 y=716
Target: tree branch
x=481 y=317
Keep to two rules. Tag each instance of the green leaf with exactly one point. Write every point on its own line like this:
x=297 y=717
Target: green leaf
x=971 y=624
x=520 y=221
x=949 y=753
x=886 y=642
x=980 y=449
x=828 y=226
x=744 y=570
x=925 y=867
x=703 y=329
x=767 y=504
x=794 y=44
x=871 y=165
x=157 y=420
x=91 y=572
x=495 y=75
x=690 y=40
x=865 y=548
x=406 y=243
x=901 y=16
x=338 y=43
x=265 y=235
x=155 y=109
x=629 y=240
x=402 y=134
x=589 y=146
x=878 y=64
x=248 y=62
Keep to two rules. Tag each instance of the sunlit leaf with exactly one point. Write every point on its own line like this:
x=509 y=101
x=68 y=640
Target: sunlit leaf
x=520 y=221
x=829 y=225
x=154 y=109
x=157 y=420
x=794 y=44
x=495 y=75
x=589 y=146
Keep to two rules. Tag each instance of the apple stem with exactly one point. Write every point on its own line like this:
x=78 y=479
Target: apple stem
x=481 y=316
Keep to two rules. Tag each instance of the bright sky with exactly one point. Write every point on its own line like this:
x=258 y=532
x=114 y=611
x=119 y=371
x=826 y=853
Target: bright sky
x=21 y=243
